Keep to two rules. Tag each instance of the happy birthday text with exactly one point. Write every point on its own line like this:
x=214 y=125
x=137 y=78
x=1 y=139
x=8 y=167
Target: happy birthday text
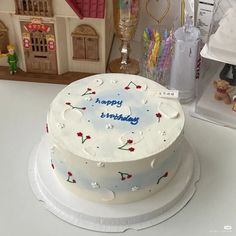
x=120 y=117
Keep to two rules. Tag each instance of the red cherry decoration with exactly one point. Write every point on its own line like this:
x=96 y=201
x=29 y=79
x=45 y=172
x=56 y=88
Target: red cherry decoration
x=127 y=87
x=89 y=89
x=69 y=173
x=53 y=166
x=80 y=134
x=68 y=103
x=129 y=141
x=129 y=176
x=138 y=87
x=83 y=108
x=74 y=181
x=93 y=92
x=88 y=137
x=166 y=174
x=131 y=149
x=123 y=178
x=158 y=115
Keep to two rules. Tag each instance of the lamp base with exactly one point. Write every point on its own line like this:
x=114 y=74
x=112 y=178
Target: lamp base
x=131 y=68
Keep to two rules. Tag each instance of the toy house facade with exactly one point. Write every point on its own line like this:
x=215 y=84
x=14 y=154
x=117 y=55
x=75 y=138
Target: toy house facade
x=57 y=36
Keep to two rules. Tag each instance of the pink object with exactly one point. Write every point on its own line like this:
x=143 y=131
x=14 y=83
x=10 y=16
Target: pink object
x=88 y=8
x=165 y=58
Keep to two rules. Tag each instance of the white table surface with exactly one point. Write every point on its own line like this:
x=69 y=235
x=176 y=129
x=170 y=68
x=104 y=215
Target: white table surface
x=23 y=108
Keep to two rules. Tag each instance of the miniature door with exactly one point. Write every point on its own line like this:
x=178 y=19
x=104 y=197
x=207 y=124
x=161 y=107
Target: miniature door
x=85 y=43
x=39 y=47
x=3 y=38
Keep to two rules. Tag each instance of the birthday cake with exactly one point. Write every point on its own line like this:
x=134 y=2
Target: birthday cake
x=113 y=138
x=222 y=42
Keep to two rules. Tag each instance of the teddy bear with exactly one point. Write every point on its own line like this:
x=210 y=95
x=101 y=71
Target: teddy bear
x=223 y=88
x=234 y=103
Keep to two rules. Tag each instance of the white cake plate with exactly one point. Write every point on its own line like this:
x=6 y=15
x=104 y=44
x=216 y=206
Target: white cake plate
x=112 y=218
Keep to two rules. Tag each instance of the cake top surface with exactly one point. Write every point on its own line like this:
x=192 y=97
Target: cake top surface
x=114 y=117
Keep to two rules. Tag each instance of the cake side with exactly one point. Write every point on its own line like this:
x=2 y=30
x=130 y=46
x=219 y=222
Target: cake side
x=116 y=183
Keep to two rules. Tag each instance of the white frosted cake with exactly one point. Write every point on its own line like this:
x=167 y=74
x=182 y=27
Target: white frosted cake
x=113 y=139
x=222 y=43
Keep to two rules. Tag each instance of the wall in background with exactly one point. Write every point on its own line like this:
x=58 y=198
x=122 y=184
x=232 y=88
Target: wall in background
x=157 y=8
x=220 y=9
x=224 y=5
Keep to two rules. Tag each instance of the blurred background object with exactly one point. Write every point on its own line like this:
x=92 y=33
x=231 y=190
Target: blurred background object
x=184 y=63
x=125 y=14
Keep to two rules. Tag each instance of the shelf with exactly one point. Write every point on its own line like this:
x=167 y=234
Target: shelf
x=210 y=109
x=206 y=53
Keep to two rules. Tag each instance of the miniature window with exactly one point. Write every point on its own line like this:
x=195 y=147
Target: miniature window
x=3 y=38
x=34 y=7
x=38 y=42
x=85 y=43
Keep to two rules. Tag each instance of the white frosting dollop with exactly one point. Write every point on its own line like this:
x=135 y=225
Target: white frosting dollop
x=109 y=126
x=135 y=188
x=168 y=110
x=95 y=185
x=100 y=164
x=60 y=125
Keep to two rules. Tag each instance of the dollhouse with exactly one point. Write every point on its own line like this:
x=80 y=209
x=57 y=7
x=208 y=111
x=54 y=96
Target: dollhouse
x=57 y=36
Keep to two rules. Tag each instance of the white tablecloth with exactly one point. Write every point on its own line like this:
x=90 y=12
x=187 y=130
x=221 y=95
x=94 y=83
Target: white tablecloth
x=24 y=105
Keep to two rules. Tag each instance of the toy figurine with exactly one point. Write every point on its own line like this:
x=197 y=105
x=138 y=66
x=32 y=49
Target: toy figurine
x=225 y=72
x=11 y=58
x=223 y=88
x=234 y=103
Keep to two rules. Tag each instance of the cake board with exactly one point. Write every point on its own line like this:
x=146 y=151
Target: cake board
x=112 y=218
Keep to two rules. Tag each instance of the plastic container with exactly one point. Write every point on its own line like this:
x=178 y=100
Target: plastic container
x=217 y=84
x=221 y=45
x=157 y=53
x=184 y=61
